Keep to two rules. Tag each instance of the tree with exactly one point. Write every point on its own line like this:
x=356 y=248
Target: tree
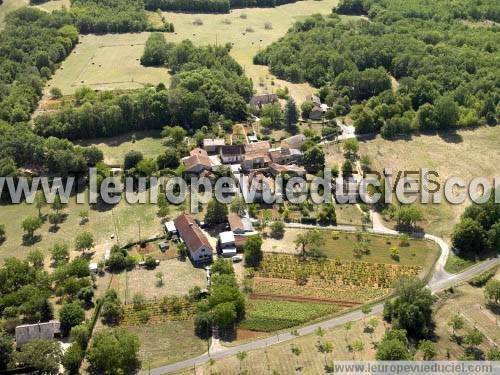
x=84 y=216
x=57 y=205
x=493 y=354
x=393 y=347
x=408 y=215
x=291 y=113
x=252 y=250
x=70 y=315
x=112 y=310
x=42 y=355
x=73 y=357
x=224 y=315
x=30 y=225
x=277 y=229
x=241 y=357
x=84 y=241
x=428 y=349
x=306 y=108
x=80 y=335
x=114 y=350
x=216 y=213
x=40 y=202
x=155 y=51
x=468 y=236
x=447 y=112
x=456 y=322
x=2 y=233
x=314 y=159
x=35 y=258
x=222 y=267
x=351 y=148
x=473 y=338
x=357 y=346
x=324 y=348
x=132 y=158
x=412 y=308
x=492 y=291
x=310 y=243
x=6 y=349
x=327 y=215
x=55 y=92
x=159 y=279
x=60 y=253
x=238 y=206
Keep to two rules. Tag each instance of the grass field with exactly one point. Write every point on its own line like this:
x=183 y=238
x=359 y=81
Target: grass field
x=462 y=154
x=107 y=62
x=101 y=225
x=267 y=316
x=167 y=342
x=149 y=143
x=178 y=278
x=419 y=252
x=246 y=44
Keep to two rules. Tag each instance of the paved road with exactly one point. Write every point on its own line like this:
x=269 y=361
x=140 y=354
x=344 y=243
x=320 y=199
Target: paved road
x=440 y=280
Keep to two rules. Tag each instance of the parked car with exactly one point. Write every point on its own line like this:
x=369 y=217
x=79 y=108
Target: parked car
x=237 y=258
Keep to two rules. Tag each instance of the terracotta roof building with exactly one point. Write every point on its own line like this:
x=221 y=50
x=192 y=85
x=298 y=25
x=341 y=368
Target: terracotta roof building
x=197 y=161
x=197 y=243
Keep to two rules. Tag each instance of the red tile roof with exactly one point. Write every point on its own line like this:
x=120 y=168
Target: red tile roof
x=235 y=222
x=191 y=233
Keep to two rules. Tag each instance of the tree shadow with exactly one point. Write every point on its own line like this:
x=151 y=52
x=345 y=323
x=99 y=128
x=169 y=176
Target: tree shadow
x=102 y=206
x=31 y=240
x=451 y=137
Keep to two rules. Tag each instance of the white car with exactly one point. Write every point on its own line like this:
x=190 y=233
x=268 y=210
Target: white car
x=237 y=258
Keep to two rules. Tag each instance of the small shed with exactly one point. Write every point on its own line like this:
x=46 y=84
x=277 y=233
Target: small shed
x=164 y=246
x=93 y=268
x=229 y=252
x=28 y=332
x=226 y=239
x=107 y=254
x=170 y=228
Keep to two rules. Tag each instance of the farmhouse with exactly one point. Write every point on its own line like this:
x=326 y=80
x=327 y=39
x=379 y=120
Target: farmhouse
x=285 y=155
x=200 y=250
x=239 y=225
x=28 y=332
x=258 y=101
x=232 y=154
x=213 y=145
x=256 y=156
x=316 y=113
x=291 y=169
x=197 y=162
x=294 y=142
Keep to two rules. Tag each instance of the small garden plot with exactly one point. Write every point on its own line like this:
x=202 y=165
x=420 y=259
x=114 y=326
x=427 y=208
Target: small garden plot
x=154 y=312
x=270 y=316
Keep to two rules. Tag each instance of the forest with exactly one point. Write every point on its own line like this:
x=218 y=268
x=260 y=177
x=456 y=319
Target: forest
x=447 y=71
x=109 y=16
x=211 y=6
x=207 y=84
x=31 y=46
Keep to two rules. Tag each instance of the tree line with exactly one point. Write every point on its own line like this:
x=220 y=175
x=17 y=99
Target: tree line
x=211 y=6
x=208 y=85
x=445 y=69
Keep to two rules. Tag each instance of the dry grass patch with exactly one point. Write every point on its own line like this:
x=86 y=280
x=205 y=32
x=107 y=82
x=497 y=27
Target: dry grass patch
x=467 y=154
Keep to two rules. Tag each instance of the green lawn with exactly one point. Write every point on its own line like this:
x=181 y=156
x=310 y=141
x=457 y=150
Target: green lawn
x=267 y=316
x=149 y=143
x=101 y=225
x=166 y=343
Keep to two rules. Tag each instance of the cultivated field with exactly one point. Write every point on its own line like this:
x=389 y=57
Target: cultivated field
x=462 y=154
x=107 y=62
x=149 y=143
x=246 y=44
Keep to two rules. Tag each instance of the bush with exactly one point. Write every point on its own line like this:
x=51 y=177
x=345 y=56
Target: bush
x=150 y=262
x=138 y=301
x=268 y=26
x=55 y=93
x=72 y=358
x=249 y=29
x=198 y=22
x=70 y=315
x=481 y=279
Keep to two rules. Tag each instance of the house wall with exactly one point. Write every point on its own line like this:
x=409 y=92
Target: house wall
x=203 y=254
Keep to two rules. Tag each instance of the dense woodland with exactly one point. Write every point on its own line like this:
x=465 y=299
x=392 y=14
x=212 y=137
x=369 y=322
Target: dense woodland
x=32 y=44
x=207 y=84
x=211 y=6
x=447 y=71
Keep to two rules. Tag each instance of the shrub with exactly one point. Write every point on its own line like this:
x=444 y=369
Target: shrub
x=243 y=16
x=198 y=22
x=249 y=29
x=268 y=26
x=138 y=301
x=481 y=279
x=55 y=93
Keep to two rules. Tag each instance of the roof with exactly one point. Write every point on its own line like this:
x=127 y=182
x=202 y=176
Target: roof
x=235 y=222
x=28 y=332
x=198 y=151
x=263 y=99
x=170 y=226
x=226 y=237
x=207 y=142
x=194 y=160
x=240 y=240
x=278 y=168
x=253 y=138
x=257 y=150
x=191 y=233
x=229 y=150
x=295 y=141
